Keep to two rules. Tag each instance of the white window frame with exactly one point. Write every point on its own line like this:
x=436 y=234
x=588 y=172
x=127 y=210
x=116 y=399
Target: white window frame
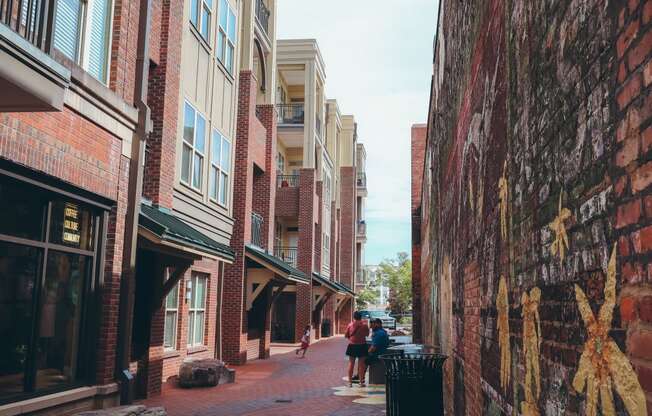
x=196 y=17
x=175 y=311
x=194 y=151
x=194 y=310
x=84 y=32
x=224 y=41
x=218 y=170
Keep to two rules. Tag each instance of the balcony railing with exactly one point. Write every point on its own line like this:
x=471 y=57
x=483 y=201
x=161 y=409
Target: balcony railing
x=362 y=228
x=33 y=20
x=287 y=254
x=287 y=181
x=256 y=229
x=290 y=113
x=362 y=180
x=262 y=14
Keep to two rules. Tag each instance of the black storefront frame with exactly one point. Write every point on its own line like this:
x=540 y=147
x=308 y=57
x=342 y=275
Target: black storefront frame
x=92 y=283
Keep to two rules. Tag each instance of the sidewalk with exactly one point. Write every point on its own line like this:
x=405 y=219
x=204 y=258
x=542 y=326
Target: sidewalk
x=282 y=385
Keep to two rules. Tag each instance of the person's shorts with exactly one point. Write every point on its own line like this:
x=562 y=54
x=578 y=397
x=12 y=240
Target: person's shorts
x=304 y=345
x=357 y=350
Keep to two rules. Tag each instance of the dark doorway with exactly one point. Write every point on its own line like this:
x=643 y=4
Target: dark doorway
x=283 y=317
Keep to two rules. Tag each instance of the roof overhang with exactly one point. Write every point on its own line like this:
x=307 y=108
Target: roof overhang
x=278 y=266
x=162 y=231
x=320 y=280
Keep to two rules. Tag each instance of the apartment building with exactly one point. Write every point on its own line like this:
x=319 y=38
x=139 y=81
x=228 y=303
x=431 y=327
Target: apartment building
x=73 y=119
x=311 y=144
x=360 y=205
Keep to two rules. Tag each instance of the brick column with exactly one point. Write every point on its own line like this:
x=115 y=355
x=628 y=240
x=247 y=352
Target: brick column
x=329 y=313
x=345 y=314
x=234 y=320
x=266 y=336
x=265 y=194
x=163 y=99
x=305 y=255
x=334 y=240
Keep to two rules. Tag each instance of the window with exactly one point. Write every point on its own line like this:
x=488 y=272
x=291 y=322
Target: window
x=226 y=36
x=194 y=141
x=200 y=17
x=280 y=164
x=82 y=33
x=48 y=248
x=220 y=168
x=197 y=310
x=171 y=319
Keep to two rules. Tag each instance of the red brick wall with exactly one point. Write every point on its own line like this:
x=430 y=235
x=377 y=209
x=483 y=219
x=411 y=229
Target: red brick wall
x=264 y=194
x=561 y=114
x=163 y=99
x=348 y=225
x=305 y=252
x=418 y=134
x=165 y=364
x=234 y=320
x=287 y=202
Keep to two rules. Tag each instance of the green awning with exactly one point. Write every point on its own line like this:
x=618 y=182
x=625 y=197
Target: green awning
x=278 y=265
x=344 y=288
x=326 y=282
x=172 y=231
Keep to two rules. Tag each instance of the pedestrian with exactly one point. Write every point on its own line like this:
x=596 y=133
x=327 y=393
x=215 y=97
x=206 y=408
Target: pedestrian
x=357 y=332
x=379 y=341
x=305 y=342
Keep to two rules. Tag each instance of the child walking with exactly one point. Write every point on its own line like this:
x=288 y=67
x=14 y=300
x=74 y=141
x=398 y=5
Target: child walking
x=305 y=343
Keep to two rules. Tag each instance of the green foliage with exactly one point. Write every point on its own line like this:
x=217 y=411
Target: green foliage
x=396 y=274
x=368 y=295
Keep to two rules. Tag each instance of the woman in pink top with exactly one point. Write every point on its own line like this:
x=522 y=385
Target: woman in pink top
x=357 y=333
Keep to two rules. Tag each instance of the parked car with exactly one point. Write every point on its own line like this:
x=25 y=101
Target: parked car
x=388 y=321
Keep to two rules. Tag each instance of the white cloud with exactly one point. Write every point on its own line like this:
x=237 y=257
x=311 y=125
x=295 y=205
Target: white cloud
x=378 y=57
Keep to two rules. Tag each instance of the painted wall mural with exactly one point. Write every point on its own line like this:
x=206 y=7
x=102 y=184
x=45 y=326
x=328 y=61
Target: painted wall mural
x=603 y=367
x=531 y=350
x=540 y=163
x=558 y=226
x=502 y=304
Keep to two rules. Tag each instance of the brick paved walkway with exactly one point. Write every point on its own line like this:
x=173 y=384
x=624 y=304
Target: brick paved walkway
x=308 y=383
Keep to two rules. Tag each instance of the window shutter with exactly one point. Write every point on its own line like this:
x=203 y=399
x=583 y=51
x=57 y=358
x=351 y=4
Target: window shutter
x=66 y=28
x=98 y=41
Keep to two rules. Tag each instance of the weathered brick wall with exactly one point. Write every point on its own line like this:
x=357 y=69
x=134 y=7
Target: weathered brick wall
x=348 y=225
x=306 y=249
x=539 y=142
x=418 y=151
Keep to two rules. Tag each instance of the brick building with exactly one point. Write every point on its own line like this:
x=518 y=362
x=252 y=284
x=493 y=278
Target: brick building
x=72 y=122
x=360 y=219
x=532 y=225
x=315 y=195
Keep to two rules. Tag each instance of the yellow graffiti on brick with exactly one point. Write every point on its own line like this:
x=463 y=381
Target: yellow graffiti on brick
x=603 y=366
x=503 y=187
x=531 y=349
x=502 y=304
x=560 y=243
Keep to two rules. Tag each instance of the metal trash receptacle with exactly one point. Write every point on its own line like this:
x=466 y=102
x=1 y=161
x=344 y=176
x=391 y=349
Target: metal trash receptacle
x=413 y=382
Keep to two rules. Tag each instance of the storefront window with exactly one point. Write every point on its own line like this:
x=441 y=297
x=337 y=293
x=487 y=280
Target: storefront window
x=46 y=266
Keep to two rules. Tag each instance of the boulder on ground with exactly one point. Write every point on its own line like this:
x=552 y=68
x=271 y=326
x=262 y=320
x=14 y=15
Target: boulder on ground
x=196 y=372
x=132 y=410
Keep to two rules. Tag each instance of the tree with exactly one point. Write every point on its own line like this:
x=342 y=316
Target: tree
x=396 y=274
x=367 y=296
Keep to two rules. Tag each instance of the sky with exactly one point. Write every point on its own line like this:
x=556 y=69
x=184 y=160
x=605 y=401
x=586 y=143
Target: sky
x=378 y=59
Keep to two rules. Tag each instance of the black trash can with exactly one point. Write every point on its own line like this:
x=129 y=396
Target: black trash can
x=326 y=328
x=414 y=383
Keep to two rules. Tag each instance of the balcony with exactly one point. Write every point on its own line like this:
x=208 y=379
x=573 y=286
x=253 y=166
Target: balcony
x=361 y=233
x=262 y=15
x=318 y=126
x=287 y=181
x=290 y=114
x=362 y=180
x=256 y=229
x=30 y=79
x=287 y=254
